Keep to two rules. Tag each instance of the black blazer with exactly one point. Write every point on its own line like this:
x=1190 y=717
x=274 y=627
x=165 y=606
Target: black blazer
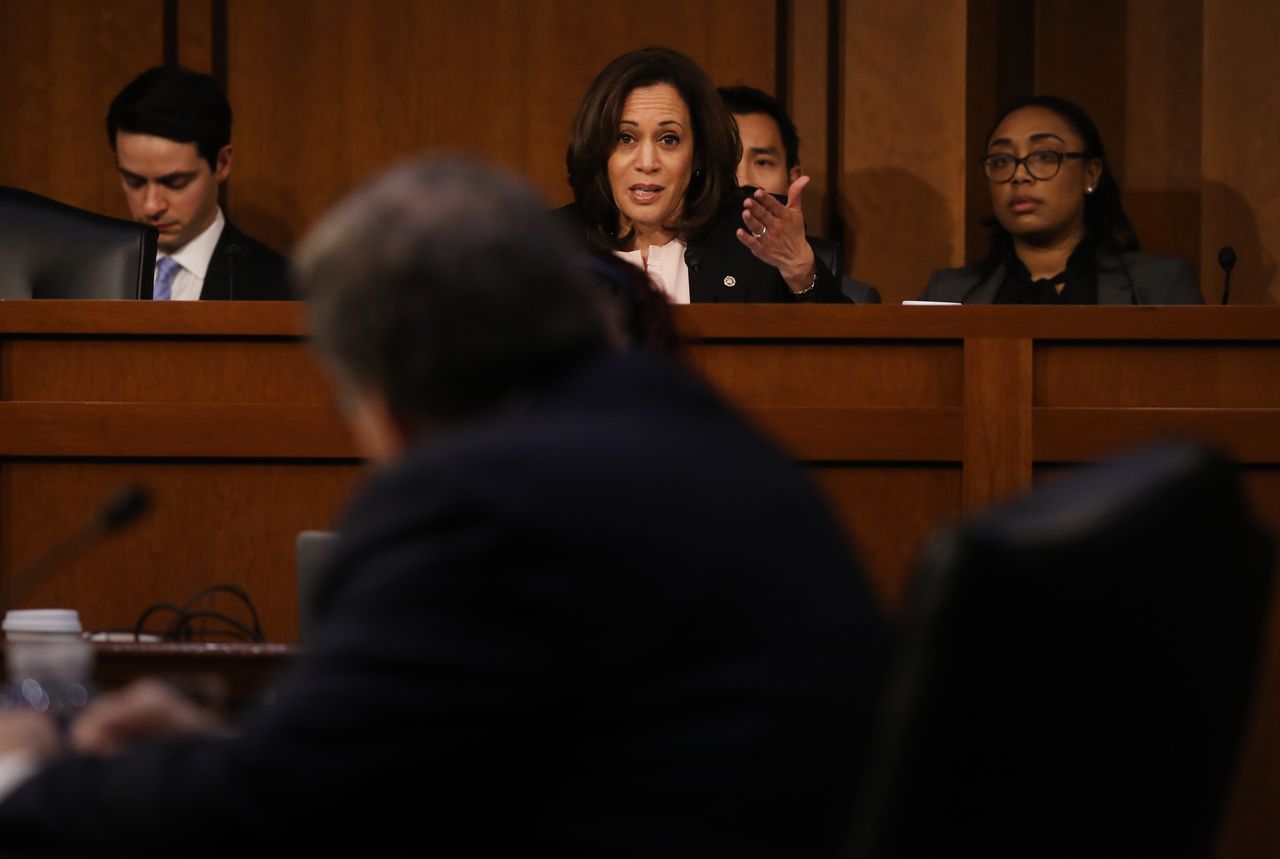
x=723 y=270
x=615 y=624
x=261 y=274
x=1126 y=278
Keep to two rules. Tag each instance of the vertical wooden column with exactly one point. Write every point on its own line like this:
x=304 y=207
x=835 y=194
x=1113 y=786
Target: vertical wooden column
x=807 y=100
x=997 y=419
x=1241 y=123
x=195 y=35
x=902 y=171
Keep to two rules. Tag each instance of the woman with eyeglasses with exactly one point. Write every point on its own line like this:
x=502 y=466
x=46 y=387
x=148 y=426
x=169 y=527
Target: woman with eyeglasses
x=1060 y=234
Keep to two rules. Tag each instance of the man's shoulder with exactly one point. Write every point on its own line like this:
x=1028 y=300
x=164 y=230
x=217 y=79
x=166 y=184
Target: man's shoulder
x=249 y=250
x=246 y=269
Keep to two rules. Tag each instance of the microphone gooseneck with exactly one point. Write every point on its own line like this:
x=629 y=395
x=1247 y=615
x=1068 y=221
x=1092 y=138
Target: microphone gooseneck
x=233 y=253
x=1227 y=260
x=123 y=508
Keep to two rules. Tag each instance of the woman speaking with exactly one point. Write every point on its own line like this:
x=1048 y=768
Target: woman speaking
x=652 y=161
x=1060 y=234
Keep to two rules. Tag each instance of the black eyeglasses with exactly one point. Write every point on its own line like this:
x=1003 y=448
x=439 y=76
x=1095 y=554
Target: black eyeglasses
x=1043 y=164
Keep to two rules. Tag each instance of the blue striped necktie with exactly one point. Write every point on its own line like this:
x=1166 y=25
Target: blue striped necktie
x=166 y=270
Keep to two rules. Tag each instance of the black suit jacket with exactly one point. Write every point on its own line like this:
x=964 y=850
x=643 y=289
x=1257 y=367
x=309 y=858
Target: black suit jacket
x=616 y=623
x=1127 y=278
x=261 y=274
x=723 y=270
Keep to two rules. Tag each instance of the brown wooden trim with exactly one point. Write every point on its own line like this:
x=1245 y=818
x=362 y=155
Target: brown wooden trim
x=869 y=435
x=719 y=322
x=239 y=319
x=835 y=126
x=997 y=419
x=173 y=430
x=1086 y=434
x=824 y=322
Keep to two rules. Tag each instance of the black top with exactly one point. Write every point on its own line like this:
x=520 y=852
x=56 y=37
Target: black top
x=1079 y=279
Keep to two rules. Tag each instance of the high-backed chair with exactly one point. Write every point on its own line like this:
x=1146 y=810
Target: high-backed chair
x=1076 y=670
x=51 y=250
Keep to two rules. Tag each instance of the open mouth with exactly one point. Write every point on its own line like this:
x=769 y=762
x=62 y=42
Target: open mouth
x=645 y=193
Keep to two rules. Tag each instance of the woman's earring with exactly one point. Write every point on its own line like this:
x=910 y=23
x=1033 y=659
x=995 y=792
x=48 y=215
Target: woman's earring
x=1089 y=190
x=697 y=174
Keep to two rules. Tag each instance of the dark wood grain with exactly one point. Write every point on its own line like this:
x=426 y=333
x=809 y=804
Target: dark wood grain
x=997 y=419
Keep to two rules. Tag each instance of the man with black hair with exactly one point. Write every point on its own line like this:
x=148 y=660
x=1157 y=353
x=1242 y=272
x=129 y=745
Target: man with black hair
x=771 y=160
x=171 y=131
x=581 y=610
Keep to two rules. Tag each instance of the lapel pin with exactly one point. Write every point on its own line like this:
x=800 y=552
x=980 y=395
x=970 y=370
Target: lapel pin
x=730 y=280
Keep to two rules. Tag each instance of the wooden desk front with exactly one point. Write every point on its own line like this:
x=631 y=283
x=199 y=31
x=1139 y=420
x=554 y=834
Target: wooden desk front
x=906 y=416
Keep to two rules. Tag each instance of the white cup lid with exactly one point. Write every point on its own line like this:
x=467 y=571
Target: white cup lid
x=55 y=620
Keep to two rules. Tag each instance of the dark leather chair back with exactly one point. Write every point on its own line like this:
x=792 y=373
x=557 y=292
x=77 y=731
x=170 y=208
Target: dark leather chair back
x=51 y=250
x=1076 y=671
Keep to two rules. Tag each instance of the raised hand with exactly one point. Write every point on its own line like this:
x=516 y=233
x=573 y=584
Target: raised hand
x=774 y=232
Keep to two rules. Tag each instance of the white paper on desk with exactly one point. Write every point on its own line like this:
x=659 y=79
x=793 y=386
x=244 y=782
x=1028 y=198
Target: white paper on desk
x=920 y=302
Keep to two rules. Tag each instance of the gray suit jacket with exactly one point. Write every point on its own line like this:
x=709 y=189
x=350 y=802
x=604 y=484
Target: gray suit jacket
x=1122 y=279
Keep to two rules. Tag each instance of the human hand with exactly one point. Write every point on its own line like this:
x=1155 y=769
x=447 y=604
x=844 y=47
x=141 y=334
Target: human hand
x=775 y=234
x=145 y=709
x=30 y=732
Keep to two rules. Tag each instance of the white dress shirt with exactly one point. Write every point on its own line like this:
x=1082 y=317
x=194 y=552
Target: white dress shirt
x=666 y=268
x=194 y=258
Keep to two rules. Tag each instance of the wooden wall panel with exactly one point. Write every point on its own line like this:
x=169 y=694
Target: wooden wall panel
x=210 y=522
x=1161 y=157
x=329 y=92
x=908 y=502
x=807 y=101
x=195 y=34
x=1135 y=68
x=902 y=160
x=1241 y=121
x=61 y=63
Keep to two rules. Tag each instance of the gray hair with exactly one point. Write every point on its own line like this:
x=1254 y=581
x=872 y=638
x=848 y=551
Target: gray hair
x=447 y=288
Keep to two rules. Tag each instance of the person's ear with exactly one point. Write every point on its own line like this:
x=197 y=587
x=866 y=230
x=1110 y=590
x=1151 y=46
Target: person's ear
x=1092 y=174
x=794 y=173
x=223 y=169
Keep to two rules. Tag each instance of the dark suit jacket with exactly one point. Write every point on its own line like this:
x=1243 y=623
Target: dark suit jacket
x=1122 y=279
x=617 y=623
x=261 y=274
x=723 y=270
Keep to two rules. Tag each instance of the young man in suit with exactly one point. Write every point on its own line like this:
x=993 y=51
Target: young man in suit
x=170 y=129
x=771 y=160
x=581 y=610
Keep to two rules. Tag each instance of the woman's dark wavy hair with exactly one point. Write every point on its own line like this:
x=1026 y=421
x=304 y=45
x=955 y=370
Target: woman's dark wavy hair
x=717 y=147
x=1105 y=223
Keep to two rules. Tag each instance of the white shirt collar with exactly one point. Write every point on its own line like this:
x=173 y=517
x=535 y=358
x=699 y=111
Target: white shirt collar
x=195 y=255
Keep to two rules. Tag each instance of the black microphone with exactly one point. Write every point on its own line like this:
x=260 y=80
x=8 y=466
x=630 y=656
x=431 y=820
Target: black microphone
x=233 y=251
x=692 y=259
x=1226 y=259
x=125 y=507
